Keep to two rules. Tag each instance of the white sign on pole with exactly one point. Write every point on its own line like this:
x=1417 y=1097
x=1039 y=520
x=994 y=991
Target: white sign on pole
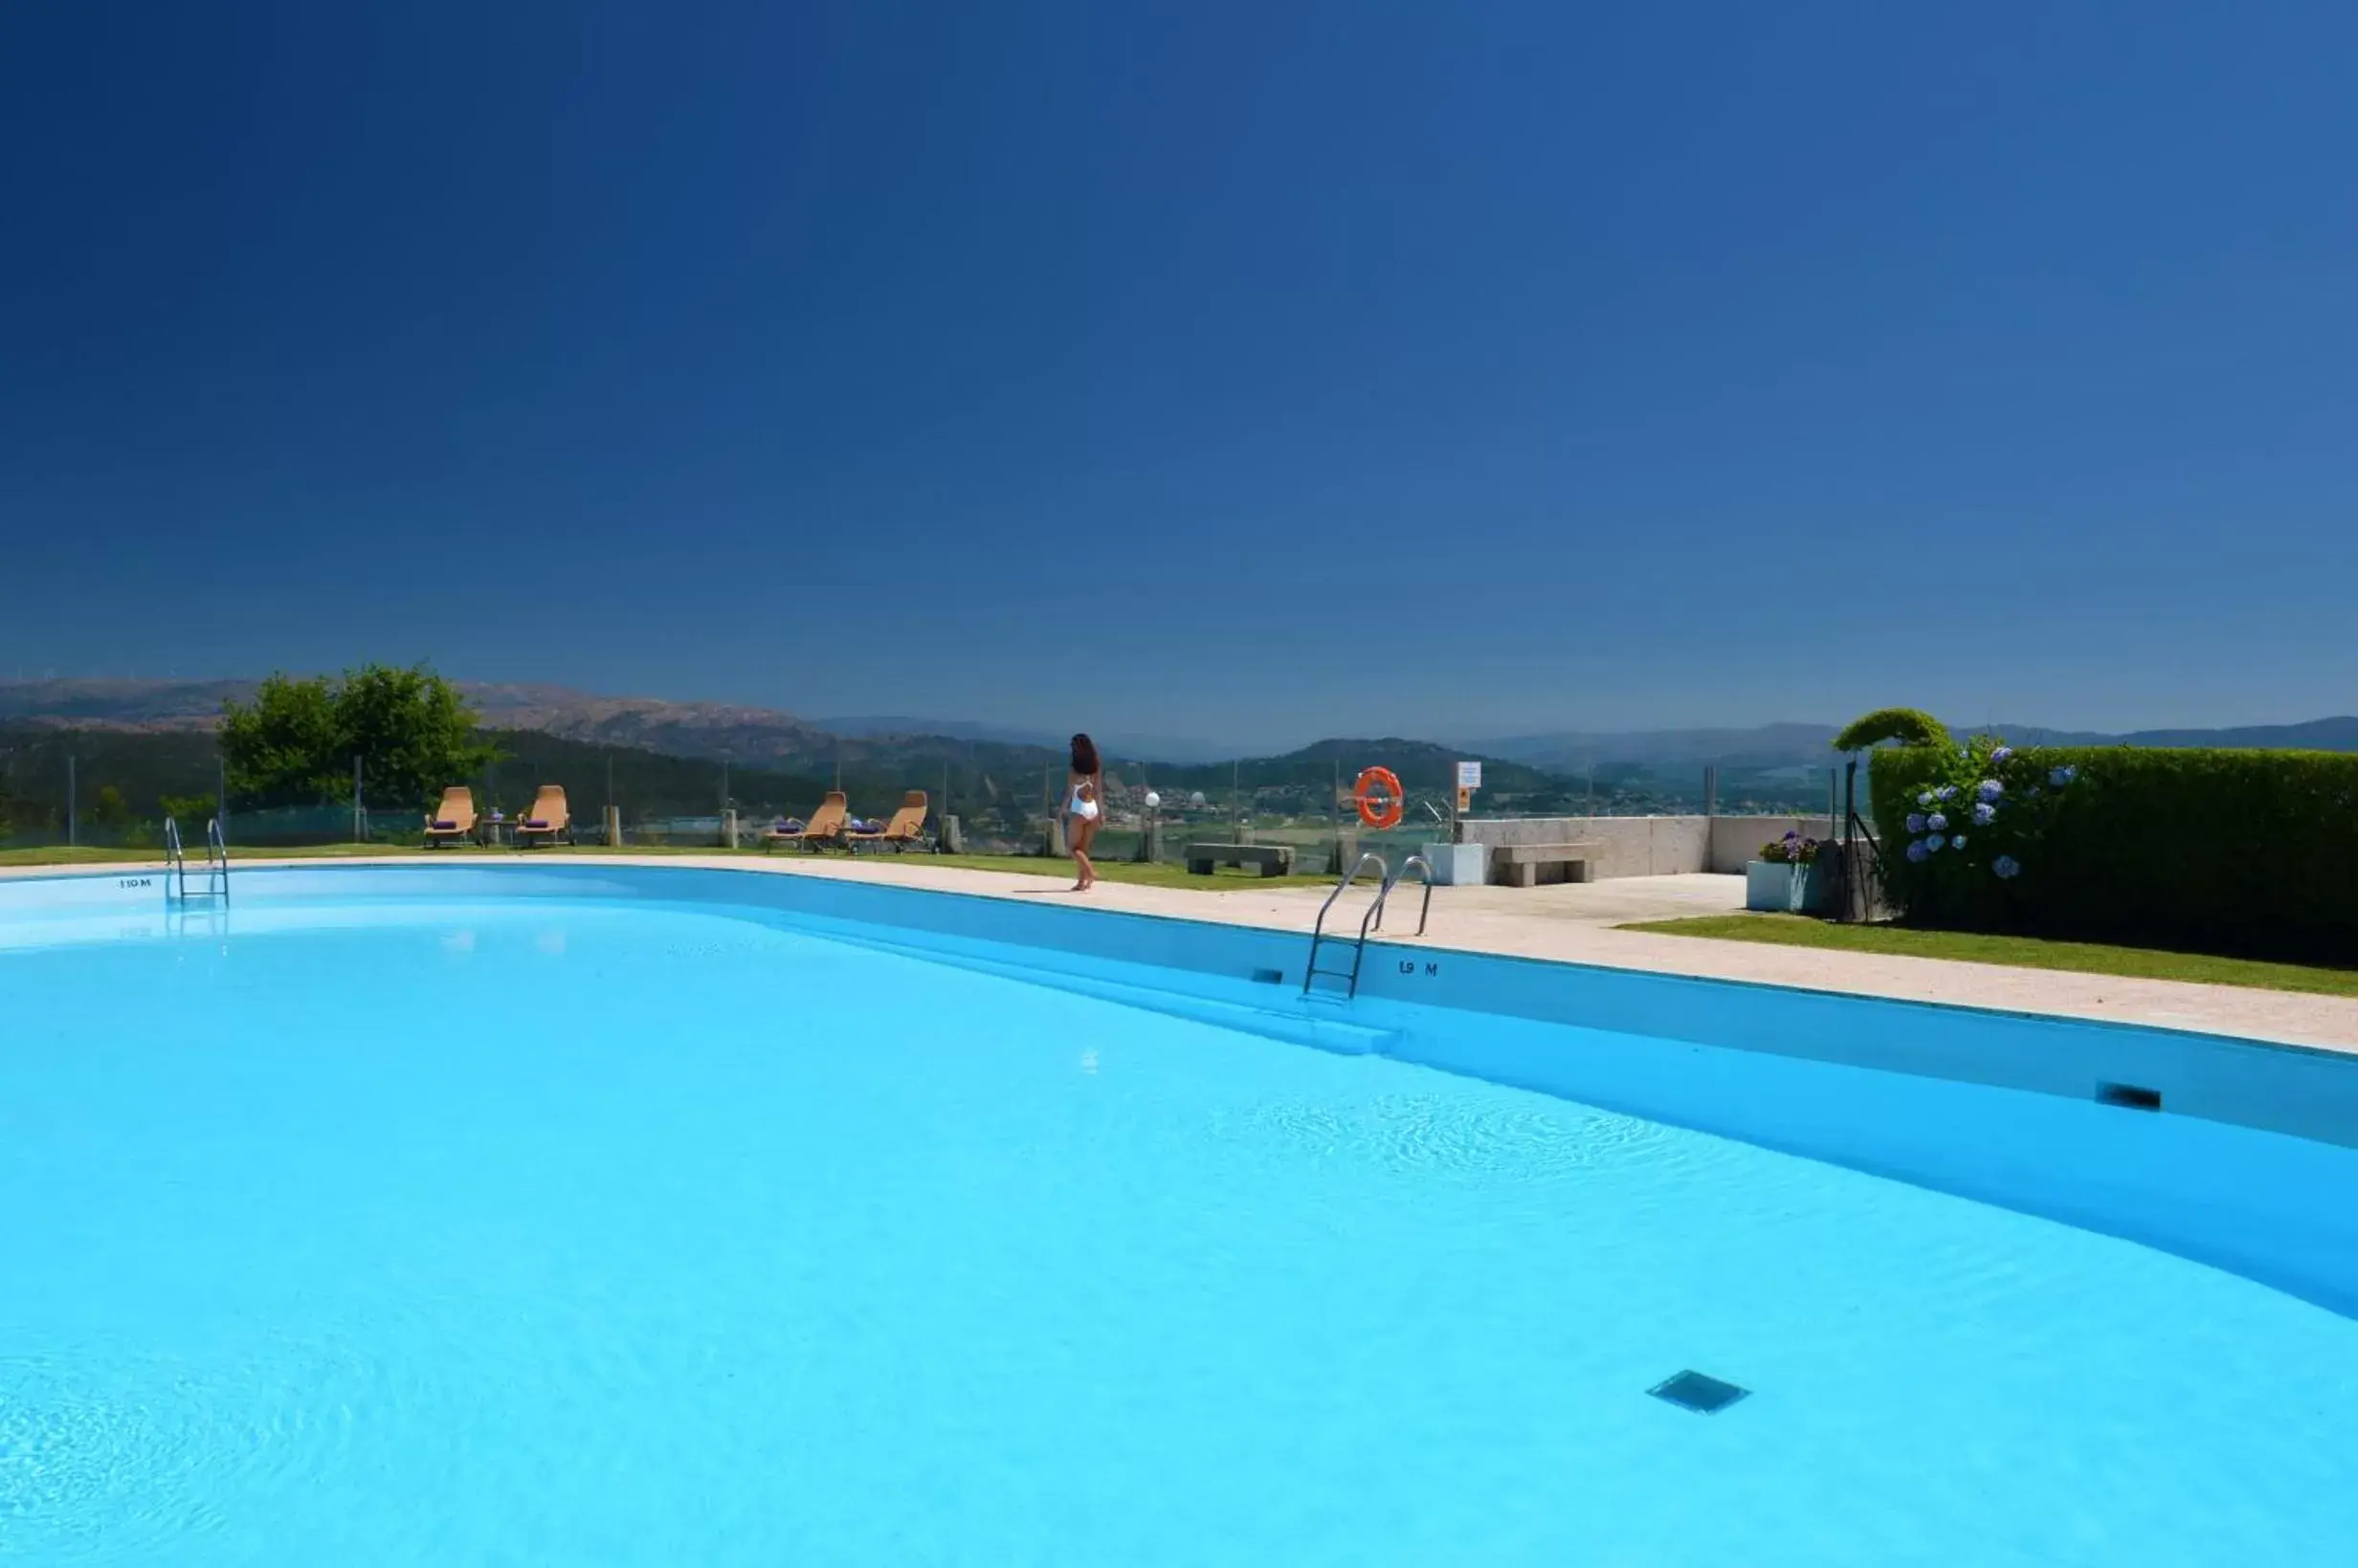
x=1469 y=774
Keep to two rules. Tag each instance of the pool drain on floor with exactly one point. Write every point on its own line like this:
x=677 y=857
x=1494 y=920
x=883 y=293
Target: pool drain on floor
x=1696 y=1392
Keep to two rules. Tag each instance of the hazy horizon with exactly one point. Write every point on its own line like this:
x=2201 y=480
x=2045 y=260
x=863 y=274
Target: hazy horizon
x=1149 y=743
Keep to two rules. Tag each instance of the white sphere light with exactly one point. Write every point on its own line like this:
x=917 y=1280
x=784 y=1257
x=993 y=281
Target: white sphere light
x=1153 y=800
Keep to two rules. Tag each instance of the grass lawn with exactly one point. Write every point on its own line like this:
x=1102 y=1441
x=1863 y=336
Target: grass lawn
x=2022 y=952
x=1161 y=875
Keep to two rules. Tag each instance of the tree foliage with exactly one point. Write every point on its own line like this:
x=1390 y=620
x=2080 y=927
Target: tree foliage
x=108 y=808
x=283 y=748
x=294 y=743
x=1908 y=726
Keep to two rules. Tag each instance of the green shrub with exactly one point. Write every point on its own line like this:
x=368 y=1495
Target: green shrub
x=188 y=809
x=2208 y=850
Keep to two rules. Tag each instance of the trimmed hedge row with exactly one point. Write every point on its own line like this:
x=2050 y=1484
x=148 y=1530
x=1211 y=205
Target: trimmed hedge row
x=2249 y=853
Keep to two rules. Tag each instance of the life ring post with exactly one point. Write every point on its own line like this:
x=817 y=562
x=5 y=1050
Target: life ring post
x=1379 y=799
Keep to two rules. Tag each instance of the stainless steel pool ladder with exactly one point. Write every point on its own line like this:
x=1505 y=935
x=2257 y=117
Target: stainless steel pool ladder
x=214 y=877
x=1372 y=920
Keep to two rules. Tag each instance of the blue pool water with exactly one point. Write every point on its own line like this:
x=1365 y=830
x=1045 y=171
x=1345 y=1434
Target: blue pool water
x=432 y=1230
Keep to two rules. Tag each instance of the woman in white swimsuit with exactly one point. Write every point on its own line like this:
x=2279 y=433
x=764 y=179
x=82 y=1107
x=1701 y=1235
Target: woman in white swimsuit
x=1084 y=808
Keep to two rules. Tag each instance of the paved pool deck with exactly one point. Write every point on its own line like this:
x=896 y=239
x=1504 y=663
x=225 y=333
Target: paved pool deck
x=1570 y=924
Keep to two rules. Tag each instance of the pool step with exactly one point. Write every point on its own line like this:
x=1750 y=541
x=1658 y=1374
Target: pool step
x=1295 y=1025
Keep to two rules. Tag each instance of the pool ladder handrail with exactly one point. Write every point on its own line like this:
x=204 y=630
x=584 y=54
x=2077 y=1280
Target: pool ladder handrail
x=1371 y=921
x=1424 y=909
x=216 y=872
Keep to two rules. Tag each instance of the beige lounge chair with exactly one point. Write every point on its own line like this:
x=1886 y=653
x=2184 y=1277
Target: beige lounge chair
x=907 y=827
x=453 y=821
x=549 y=821
x=825 y=826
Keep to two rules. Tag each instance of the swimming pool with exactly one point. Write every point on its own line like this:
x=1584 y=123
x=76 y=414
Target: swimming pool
x=616 y=1216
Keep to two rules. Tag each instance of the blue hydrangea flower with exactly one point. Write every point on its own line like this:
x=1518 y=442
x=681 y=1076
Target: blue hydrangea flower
x=2004 y=754
x=1988 y=789
x=2007 y=866
x=1957 y=843
x=1916 y=849
x=1946 y=791
x=2063 y=776
x=1938 y=822
x=1933 y=844
x=1915 y=821
x=1985 y=814
x=1925 y=798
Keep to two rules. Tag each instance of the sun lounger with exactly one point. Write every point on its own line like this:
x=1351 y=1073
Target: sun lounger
x=826 y=825
x=907 y=827
x=454 y=819
x=549 y=821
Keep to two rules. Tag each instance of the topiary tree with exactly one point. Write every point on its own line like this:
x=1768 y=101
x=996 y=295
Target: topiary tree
x=1908 y=726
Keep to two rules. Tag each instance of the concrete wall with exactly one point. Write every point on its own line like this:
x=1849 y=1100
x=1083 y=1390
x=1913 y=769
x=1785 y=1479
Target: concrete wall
x=1646 y=845
x=1736 y=840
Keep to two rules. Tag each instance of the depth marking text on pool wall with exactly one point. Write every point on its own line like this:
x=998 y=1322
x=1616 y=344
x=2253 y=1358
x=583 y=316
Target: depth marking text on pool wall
x=1408 y=966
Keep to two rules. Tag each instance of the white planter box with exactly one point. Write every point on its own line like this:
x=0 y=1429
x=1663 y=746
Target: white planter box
x=1784 y=889
x=1457 y=864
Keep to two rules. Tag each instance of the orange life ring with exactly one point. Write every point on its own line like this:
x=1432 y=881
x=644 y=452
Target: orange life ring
x=1379 y=785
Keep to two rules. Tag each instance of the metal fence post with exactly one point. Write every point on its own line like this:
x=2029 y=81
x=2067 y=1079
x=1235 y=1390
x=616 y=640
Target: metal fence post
x=1334 y=806
x=358 y=815
x=70 y=834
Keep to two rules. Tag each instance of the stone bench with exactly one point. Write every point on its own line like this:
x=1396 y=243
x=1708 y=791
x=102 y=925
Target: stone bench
x=1273 y=859
x=1518 y=865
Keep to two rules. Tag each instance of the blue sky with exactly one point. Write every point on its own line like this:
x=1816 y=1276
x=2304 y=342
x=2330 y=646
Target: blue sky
x=1246 y=371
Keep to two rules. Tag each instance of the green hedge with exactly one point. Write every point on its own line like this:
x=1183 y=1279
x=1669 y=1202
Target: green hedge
x=2206 y=851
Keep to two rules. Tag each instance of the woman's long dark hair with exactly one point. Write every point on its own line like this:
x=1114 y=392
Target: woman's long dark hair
x=1084 y=756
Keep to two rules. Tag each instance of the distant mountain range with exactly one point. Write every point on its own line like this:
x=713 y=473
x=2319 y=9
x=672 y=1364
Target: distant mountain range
x=1785 y=745
x=769 y=738
x=119 y=704
x=1148 y=748
x=694 y=729
x=1763 y=746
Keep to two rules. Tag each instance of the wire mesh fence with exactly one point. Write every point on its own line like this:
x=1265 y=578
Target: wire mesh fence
x=109 y=789
x=102 y=790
